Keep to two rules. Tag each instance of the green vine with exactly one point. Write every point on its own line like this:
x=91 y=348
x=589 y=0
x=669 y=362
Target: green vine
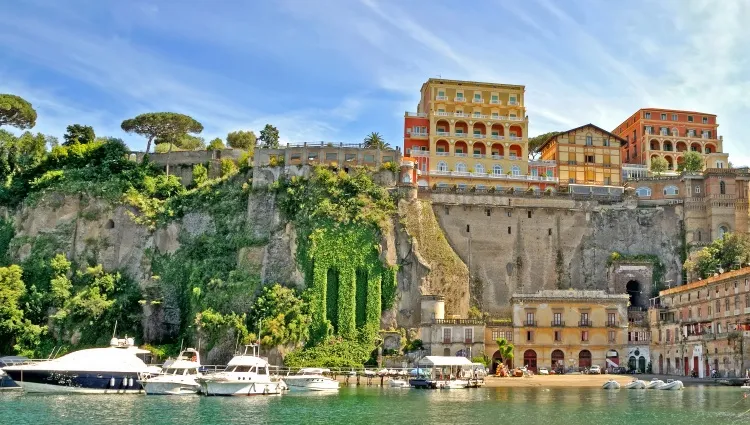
x=658 y=269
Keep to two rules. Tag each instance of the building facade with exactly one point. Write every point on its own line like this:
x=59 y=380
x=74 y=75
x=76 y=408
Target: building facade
x=472 y=135
x=703 y=326
x=569 y=329
x=450 y=336
x=587 y=155
x=669 y=133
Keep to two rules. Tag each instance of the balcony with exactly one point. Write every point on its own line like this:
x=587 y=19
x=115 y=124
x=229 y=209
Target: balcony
x=443 y=133
x=515 y=118
x=495 y=102
x=480 y=100
x=480 y=116
x=496 y=137
x=416 y=114
x=461 y=173
x=460 y=154
x=414 y=134
x=513 y=103
x=584 y=324
x=459 y=99
x=458 y=322
x=514 y=157
x=493 y=156
x=460 y=115
x=478 y=155
x=446 y=341
x=516 y=138
x=416 y=153
x=613 y=324
x=557 y=324
x=442 y=153
x=491 y=176
x=441 y=97
x=530 y=323
x=480 y=136
x=442 y=113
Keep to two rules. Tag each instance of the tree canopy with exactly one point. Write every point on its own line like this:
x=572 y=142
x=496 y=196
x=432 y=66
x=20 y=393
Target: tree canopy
x=167 y=126
x=243 y=140
x=729 y=252
x=536 y=142
x=692 y=162
x=269 y=137
x=77 y=133
x=375 y=141
x=16 y=112
x=284 y=316
x=215 y=144
x=659 y=165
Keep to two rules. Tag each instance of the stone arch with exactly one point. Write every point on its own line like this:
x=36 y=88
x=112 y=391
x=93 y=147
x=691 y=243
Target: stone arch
x=655 y=145
x=642 y=364
x=723 y=229
x=558 y=359
x=529 y=359
x=584 y=358
x=722 y=188
x=446 y=351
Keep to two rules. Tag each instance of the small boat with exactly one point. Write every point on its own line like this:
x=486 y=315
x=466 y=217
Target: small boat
x=671 y=385
x=635 y=384
x=399 y=383
x=654 y=384
x=455 y=384
x=246 y=374
x=311 y=379
x=112 y=370
x=745 y=386
x=6 y=383
x=177 y=377
x=611 y=385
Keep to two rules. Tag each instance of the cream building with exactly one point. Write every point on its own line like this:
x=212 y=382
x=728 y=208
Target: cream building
x=571 y=328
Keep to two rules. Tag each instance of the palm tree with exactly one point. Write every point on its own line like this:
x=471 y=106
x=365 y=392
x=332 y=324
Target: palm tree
x=505 y=348
x=375 y=141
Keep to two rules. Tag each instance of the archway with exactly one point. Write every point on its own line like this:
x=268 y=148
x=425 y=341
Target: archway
x=723 y=230
x=584 y=359
x=642 y=364
x=529 y=359
x=613 y=359
x=558 y=359
x=633 y=288
x=446 y=351
x=632 y=363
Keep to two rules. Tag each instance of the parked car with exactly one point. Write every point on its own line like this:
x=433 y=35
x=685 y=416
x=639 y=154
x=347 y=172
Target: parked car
x=595 y=370
x=543 y=371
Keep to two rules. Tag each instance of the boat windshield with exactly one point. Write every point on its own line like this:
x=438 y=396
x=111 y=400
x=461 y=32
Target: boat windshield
x=240 y=369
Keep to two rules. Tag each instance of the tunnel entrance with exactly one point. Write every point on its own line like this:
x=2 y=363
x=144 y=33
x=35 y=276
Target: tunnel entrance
x=634 y=290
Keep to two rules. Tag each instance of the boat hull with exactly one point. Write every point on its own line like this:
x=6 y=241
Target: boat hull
x=170 y=388
x=311 y=385
x=240 y=388
x=636 y=385
x=47 y=381
x=671 y=386
x=611 y=385
x=398 y=383
x=654 y=385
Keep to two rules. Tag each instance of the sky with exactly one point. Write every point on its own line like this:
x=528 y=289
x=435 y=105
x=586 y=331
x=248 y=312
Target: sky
x=336 y=70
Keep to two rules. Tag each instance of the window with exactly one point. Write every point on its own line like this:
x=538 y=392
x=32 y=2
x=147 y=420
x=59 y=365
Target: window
x=529 y=336
x=441 y=94
x=697 y=189
x=674 y=117
x=494 y=99
x=479 y=168
x=468 y=335
x=690 y=118
x=509 y=213
x=516 y=170
x=497 y=169
x=529 y=318
x=331 y=156
x=589 y=141
x=509 y=230
x=369 y=158
x=461 y=167
x=671 y=190
x=589 y=159
x=512 y=100
x=643 y=192
x=663 y=117
x=705 y=120
x=557 y=319
x=442 y=166
x=718 y=306
x=295 y=156
x=611 y=321
x=726 y=304
x=611 y=336
x=584 y=336
x=649 y=129
x=648 y=115
x=459 y=96
x=477 y=96
x=722 y=188
x=584 y=319
x=605 y=141
x=509 y=335
x=446 y=335
x=558 y=336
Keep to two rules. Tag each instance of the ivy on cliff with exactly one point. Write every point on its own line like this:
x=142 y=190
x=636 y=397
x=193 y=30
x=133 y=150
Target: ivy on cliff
x=338 y=217
x=658 y=269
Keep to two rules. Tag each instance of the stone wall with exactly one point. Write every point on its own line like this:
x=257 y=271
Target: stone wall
x=525 y=245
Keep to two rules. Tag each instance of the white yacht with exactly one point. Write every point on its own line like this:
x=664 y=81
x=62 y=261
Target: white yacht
x=177 y=376
x=311 y=379
x=246 y=374
x=112 y=370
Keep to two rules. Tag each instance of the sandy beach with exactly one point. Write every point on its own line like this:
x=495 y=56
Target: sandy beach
x=557 y=381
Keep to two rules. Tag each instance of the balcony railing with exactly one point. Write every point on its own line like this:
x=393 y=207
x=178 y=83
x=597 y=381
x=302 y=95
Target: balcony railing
x=442 y=113
x=529 y=323
x=460 y=154
x=584 y=324
x=441 y=97
x=516 y=138
x=558 y=324
x=478 y=155
x=480 y=136
x=442 y=153
x=458 y=322
x=416 y=114
x=446 y=340
x=496 y=137
x=513 y=102
x=475 y=100
x=613 y=324
x=419 y=153
x=493 y=176
x=468 y=341
x=459 y=99
x=515 y=118
x=442 y=133
x=414 y=134
x=495 y=102
x=494 y=156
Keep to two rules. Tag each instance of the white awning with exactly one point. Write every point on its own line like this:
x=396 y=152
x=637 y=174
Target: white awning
x=432 y=361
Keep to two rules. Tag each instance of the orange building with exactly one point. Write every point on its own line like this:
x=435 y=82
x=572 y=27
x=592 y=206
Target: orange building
x=669 y=133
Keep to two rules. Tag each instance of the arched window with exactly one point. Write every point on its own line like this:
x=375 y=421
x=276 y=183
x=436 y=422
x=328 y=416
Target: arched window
x=407 y=177
x=479 y=168
x=722 y=188
x=723 y=230
x=497 y=169
x=442 y=166
x=643 y=192
x=671 y=190
x=461 y=167
x=516 y=170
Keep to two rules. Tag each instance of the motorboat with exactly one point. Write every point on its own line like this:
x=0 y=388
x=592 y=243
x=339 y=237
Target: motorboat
x=111 y=370
x=671 y=385
x=177 y=376
x=311 y=379
x=246 y=374
x=635 y=384
x=399 y=383
x=6 y=383
x=455 y=384
x=654 y=383
x=611 y=385
x=746 y=385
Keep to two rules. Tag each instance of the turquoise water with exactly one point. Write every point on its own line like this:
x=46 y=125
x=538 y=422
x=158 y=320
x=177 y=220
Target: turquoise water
x=694 y=405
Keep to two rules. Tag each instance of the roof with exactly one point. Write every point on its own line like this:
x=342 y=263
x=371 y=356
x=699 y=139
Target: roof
x=705 y=282
x=444 y=361
x=622 y=141
x=474 y=83
x=675 y=110
x=571 y=294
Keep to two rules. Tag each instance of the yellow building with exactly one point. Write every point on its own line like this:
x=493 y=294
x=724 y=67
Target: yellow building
x=476 y=135
x=587 y=155
x=569 y=328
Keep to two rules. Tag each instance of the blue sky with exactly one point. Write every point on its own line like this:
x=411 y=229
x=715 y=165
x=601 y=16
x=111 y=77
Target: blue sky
x=336 y=70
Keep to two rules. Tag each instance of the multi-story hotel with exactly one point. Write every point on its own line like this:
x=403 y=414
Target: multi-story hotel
x=469 y=134
x=569 y=328
x=587 y=155
x=703 y=326
x=669 y=133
